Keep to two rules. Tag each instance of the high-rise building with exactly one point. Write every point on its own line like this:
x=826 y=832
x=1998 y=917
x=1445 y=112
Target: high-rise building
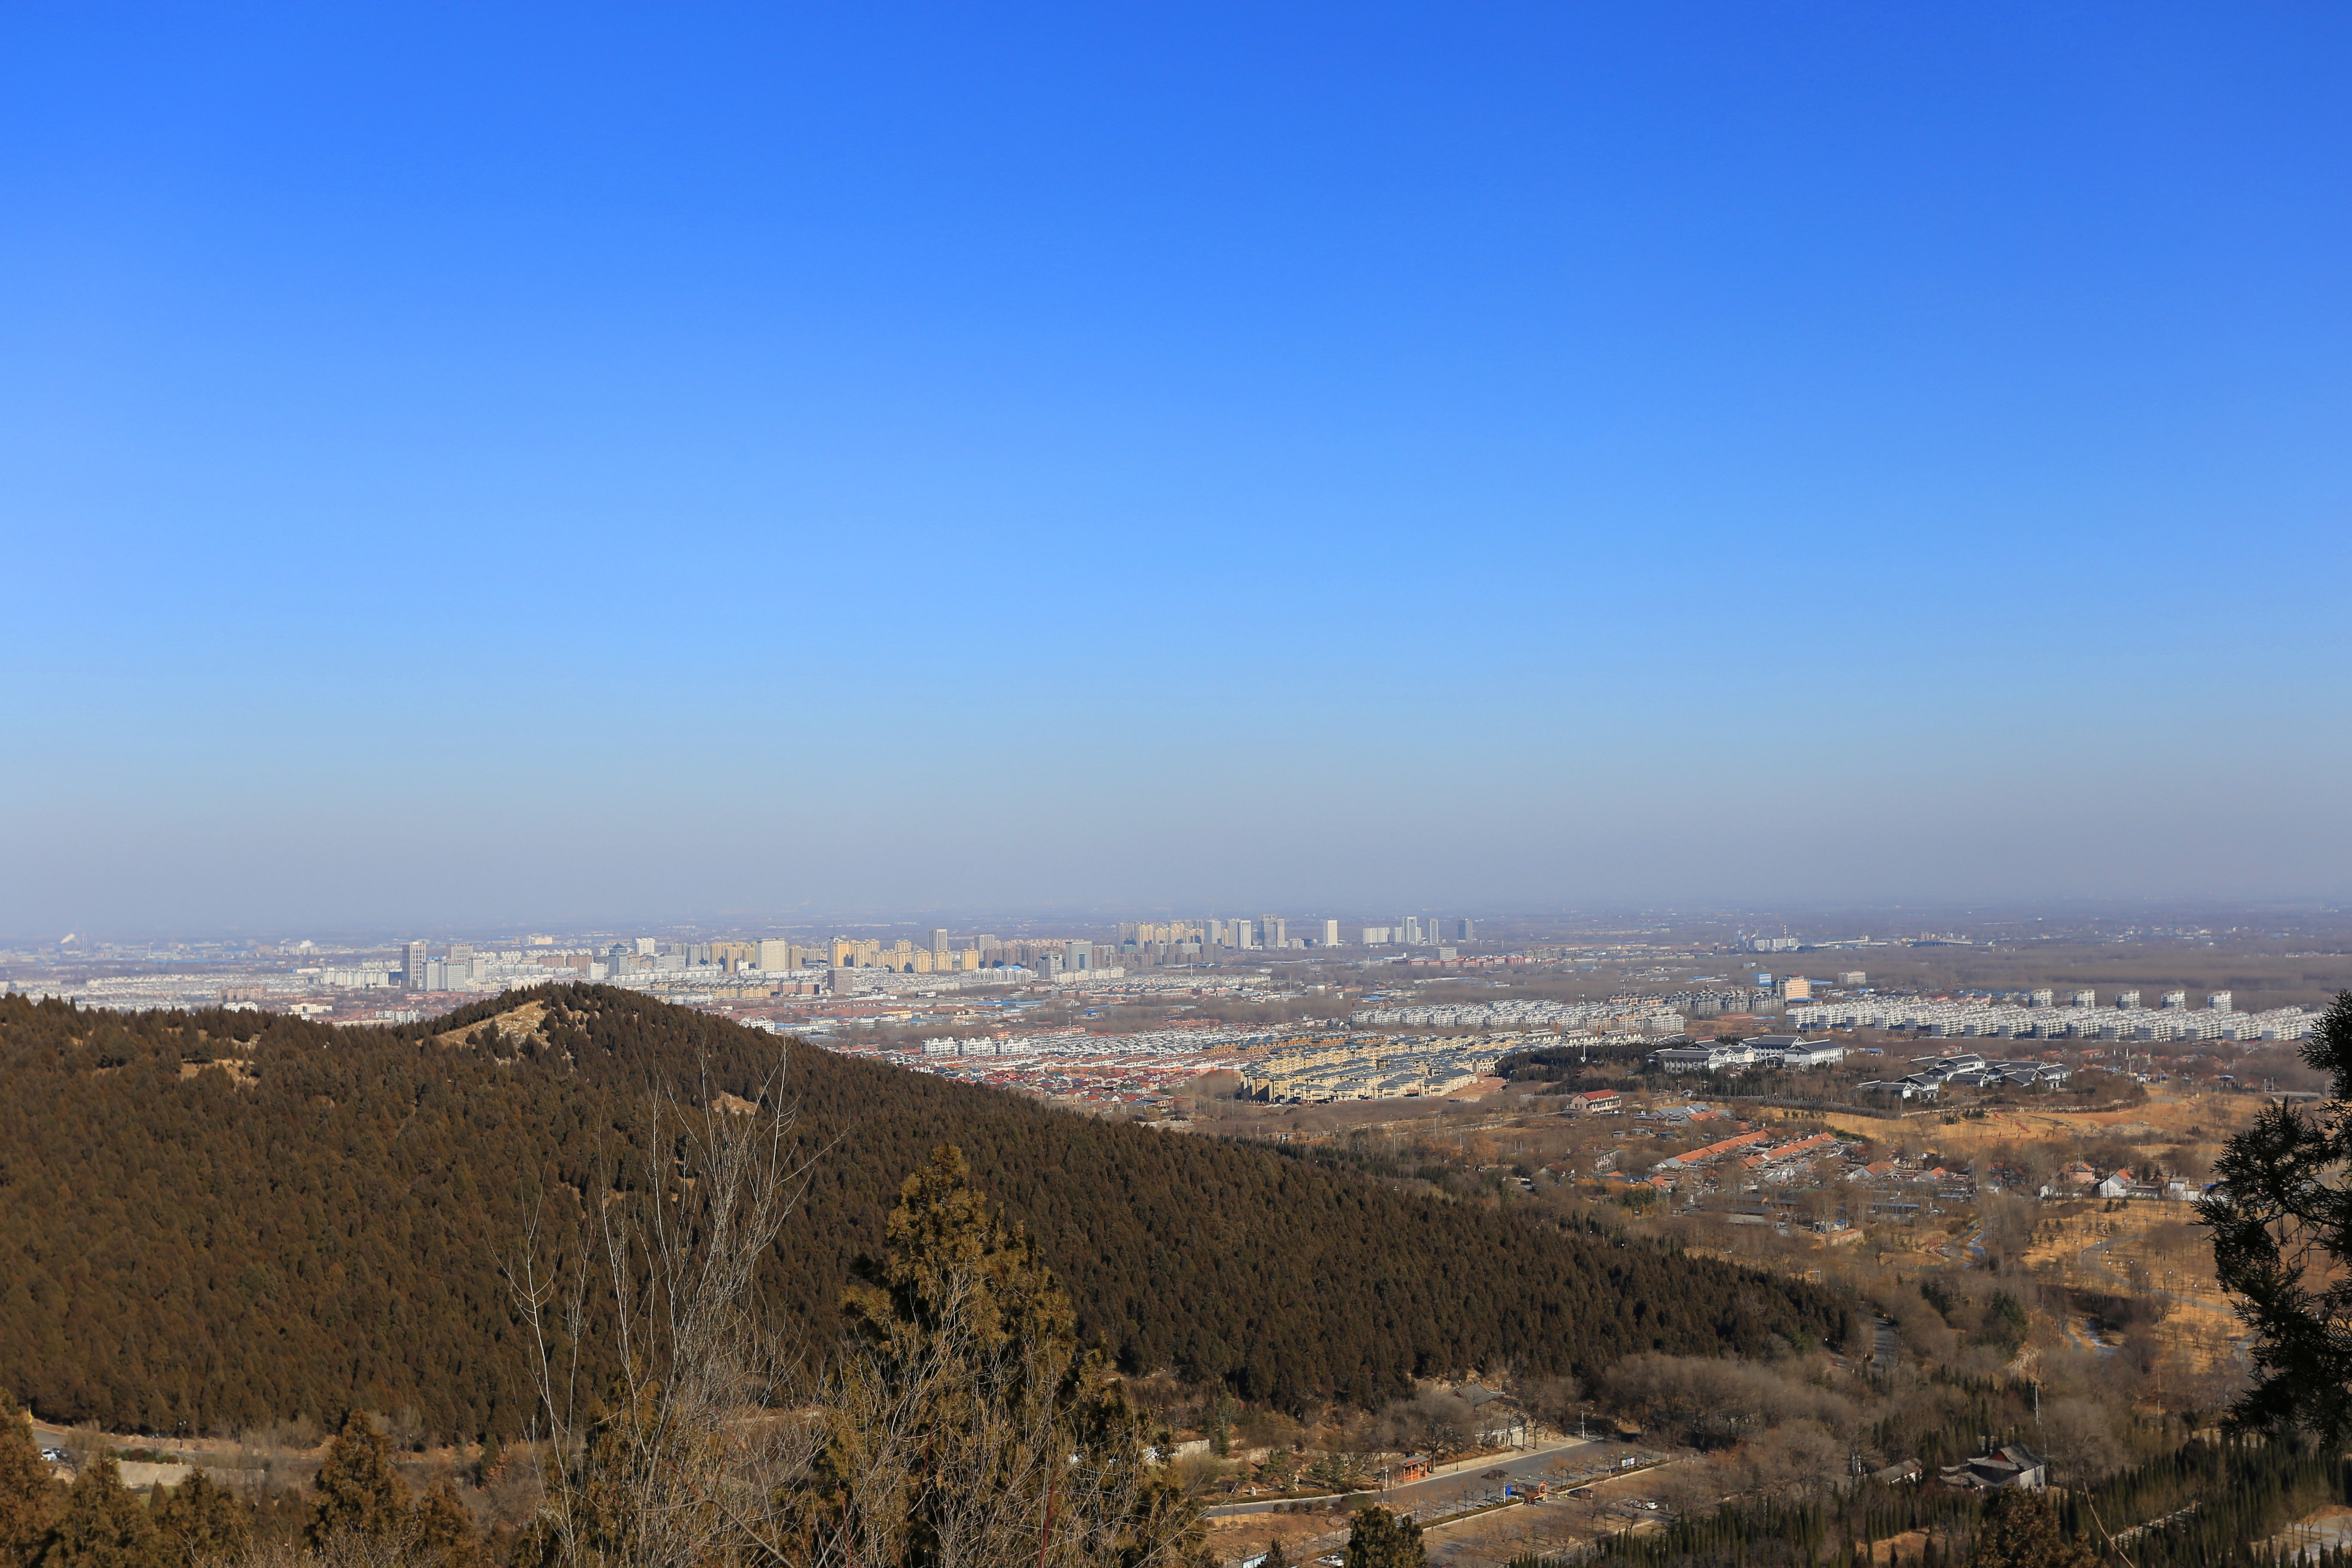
x=938 y=941
x=1077 y=955
x=2126 y=998
x=1271 y=932
x=2174 y=999
x=2085 y=999
x=411 y=965
x=1851 y=978
x=2042 y=999
x=1462 y=928
x=778 y=957
x=2218 y=1001
x=1330 y=937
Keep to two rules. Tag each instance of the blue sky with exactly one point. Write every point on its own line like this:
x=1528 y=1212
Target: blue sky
x=478 y=463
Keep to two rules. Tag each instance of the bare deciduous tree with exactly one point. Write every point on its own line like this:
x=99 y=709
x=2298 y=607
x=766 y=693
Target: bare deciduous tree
x=958 y=1427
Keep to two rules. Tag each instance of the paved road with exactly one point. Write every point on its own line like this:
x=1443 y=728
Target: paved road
x=1886 y=1348
x=1470 y=1479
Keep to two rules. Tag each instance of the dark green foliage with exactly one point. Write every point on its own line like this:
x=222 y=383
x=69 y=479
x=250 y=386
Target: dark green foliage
x=29 y=1498
x=331 y=1236
x=972 y=1347
x=2205 y=1505
x=2005 y=1322
x=203 y=1523
x=357 y=1491
x=2216 y=1502
x=2287 y=1198
x=1276 y=1557
x=2021 y=1530
x=1379 y=1539
x=103 y=1525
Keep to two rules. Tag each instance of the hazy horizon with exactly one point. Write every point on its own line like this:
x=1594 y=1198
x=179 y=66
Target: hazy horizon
x=2071 y=919
x=520 y=466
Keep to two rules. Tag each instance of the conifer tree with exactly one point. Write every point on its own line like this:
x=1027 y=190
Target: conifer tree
x=968 y=1426
x=357 y=1491
x=2021 y=1530
x=28 y=1497
x=443 y=1535
x=2286 y=1200
x=1276 y=1557
x=103 y=1525
x=203 y=1521
x=1379 y=1539
x=1221 y=1423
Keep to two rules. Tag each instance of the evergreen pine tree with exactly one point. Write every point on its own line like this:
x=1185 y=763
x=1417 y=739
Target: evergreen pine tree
x=1221 y=1423
x=203 y=1521
x=444 y=1534
x=1276 y=1557
x=2286 y=1197
x=28 y=1497
x=103 y=1525
x=1023 y=1446
x=1379 y=1539
x=2020 y=1529
x=357 y=1491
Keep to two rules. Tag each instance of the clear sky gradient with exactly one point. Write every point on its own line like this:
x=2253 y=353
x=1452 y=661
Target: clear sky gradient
x=476 y=463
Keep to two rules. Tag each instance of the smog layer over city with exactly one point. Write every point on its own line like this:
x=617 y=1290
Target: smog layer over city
x=1046 y=787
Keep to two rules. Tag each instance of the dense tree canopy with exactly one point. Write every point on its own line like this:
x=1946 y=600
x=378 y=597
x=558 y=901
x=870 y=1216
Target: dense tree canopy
x=226 y=1218
x=103 y=1524
x=29 y=1498
x=356 y=1491
x=2282 y=1236
x=1379 y=1539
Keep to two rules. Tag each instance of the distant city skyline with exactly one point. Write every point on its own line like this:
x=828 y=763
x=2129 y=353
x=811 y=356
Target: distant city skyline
x=533 y=465
x=1789 y=928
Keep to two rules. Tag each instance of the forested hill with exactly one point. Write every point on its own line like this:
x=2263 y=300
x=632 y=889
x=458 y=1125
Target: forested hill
x=318 y=1220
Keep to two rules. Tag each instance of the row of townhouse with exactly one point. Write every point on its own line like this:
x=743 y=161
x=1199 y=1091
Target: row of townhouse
x=1371 y=1069
x=1789 y=1052
x=1647 y=1016
x=1941 y=1018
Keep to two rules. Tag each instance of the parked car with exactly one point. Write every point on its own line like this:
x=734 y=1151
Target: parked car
x=56 y=1455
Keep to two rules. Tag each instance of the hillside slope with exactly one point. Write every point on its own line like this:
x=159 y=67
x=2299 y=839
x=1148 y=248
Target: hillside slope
x=320 y=1221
